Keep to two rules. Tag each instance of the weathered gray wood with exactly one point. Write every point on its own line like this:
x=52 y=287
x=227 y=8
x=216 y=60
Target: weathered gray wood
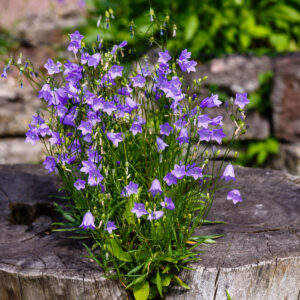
x=259 y=257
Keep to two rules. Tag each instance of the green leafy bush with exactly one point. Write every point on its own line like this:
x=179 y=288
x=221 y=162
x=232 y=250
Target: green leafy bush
x=206 y=27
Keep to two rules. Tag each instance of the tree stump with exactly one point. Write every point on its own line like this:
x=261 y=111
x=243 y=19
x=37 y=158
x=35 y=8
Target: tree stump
x=258 y=258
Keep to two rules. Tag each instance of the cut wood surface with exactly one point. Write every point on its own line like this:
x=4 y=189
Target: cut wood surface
x=258 y=258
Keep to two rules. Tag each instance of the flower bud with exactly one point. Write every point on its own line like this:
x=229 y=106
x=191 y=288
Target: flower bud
x=241 y=124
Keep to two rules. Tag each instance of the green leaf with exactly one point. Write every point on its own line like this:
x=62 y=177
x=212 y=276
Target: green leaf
x=136 y=281
x=141 y=290
x=166 y=279
x=259 y=31
x=245 y=40
x=228 y=296
x=91 y=254
x=181 y=283
x=159 y=284
x=65 y=214
x=135 y=269
x=128 y=214
x=117 y=252
x=208 y=222
x=192 y=25
x=79 y=237
x=65 y=229
x=280 y=41
x=261 y=157
x=284 y=12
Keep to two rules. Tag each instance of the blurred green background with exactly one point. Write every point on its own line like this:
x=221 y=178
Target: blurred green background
x=207 y=28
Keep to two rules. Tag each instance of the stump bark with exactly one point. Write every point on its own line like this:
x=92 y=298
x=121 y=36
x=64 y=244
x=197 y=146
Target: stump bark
x=258 y=258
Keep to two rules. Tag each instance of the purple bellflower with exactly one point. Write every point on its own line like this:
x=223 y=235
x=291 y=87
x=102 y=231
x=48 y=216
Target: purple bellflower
x=110 y=226
x=85 y=127
x=55 y=138
x=165 y=129
x=136 y=127
x=241 y=100
x=115 y=138
x=130 y=189
x=218 y=135
x=184 y=63
x=168 y=203
x=95 y=177
x=50 y=164
x=228 y=173
x=79 y=184
x=139 y=209
x=164 y=57
x=204 y=121
x=131 y=103
x=93 y=60
x=155 y=188
x=75 y=43
x=108 y=107
x=183 y=136
x=211 y=101
x=217 y=121
x=87 y=166
x=32 y=136
x=179 y=171
x=194 y=172
x=138 y=81
x=88 y=221
x=170 y=179
x=155 y=215
x=161 y=145
x=179 y=123
x=115 y=71
x=52 y=68
x=205 y=134
x=235 y=196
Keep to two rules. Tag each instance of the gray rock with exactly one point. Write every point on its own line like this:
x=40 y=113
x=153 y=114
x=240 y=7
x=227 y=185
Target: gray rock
x=42 y=23
x=16 y=151
x=285 y=98
x=17 y=108
x=258 y=258
x=236 y=73
x=288 y=158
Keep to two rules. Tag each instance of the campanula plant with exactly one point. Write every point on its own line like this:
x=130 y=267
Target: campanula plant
x=127 y=148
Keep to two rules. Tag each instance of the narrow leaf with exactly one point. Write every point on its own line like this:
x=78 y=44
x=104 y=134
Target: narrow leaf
x=159 y=284
x=181 y=283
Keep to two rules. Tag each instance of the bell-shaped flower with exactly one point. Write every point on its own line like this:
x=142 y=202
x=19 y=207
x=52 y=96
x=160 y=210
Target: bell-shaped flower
x=110 y=226
x=235 y=196
x=168 y=203
x=155 y=188
x=88 y=221
x=161 y=145
x=228 y=173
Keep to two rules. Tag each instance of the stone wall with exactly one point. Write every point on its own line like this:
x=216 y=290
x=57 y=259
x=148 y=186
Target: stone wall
x=37 y=27
x=39 y=30
x=237 y=73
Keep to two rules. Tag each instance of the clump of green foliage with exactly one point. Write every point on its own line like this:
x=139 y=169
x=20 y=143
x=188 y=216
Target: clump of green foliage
x=206 y=27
